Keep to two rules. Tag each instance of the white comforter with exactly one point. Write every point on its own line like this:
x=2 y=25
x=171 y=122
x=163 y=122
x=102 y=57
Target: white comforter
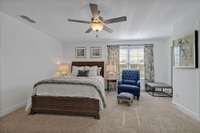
x=72 y=90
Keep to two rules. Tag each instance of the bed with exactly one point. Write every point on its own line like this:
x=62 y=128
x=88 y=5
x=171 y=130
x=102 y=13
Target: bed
x=75 y=103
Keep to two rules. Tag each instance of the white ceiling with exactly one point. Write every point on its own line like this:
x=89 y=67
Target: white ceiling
x=147 y=19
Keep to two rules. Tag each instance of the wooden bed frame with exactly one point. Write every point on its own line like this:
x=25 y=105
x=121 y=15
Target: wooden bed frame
x=69 y=105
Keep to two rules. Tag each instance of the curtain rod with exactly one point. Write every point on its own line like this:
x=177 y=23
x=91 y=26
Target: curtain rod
x=128 y=44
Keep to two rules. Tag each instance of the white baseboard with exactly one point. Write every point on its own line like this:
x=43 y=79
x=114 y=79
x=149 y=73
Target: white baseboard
x=11 y=109
x=187 y=111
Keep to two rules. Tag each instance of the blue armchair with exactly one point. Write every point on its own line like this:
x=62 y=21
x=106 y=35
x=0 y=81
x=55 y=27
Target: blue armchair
x=130 y=82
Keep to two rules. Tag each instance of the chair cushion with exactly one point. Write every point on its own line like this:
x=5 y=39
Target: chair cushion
x=125 y=95
x=132 y=82
x=126 y=86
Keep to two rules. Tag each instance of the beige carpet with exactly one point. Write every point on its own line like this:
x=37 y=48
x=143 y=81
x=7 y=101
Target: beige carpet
x=149 y=115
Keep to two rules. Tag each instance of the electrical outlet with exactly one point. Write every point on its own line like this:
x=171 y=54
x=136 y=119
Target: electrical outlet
x=176 y=95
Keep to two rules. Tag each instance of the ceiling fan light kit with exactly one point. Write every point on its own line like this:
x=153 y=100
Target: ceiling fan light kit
x=97 y=23
x=96 y=26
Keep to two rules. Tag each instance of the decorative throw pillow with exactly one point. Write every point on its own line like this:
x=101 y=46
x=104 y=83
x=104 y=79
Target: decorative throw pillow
x=75 y=70
x=92 y=70
x=83 y=73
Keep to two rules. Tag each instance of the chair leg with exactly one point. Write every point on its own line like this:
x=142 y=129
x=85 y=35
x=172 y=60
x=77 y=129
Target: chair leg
x=118 y=101
x=138 y=97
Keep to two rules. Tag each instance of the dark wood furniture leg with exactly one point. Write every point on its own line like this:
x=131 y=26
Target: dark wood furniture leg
x=138 y=98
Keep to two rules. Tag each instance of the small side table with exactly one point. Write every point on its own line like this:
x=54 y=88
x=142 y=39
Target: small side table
x=109 y=81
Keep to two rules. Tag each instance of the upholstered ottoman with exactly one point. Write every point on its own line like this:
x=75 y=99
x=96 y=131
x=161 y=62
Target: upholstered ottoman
x=125 y=97
x=132 y=89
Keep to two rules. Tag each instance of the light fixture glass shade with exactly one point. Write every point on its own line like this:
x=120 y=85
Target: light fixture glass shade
x=96 y=26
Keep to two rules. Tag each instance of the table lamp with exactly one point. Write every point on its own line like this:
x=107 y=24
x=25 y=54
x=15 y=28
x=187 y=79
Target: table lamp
x=111 y=70
x=63 y=69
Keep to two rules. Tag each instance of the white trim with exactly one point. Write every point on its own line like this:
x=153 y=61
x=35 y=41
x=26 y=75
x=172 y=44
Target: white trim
x=1 y=58
x=12 y=109
x=187 y=111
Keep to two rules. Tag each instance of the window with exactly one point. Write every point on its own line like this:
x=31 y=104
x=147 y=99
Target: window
x=132 y=57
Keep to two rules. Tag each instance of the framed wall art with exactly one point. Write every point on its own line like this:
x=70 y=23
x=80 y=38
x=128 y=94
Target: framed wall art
x=80 y=52
x=186 y=51
x=95 y=52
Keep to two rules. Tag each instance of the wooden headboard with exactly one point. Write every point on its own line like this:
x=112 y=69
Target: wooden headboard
x=90 y=63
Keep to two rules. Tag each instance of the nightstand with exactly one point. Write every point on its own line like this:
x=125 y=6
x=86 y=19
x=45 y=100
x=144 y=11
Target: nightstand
x=111 y=81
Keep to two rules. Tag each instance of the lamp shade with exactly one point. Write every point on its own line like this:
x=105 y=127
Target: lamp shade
x=111 y=68
x=63 y=69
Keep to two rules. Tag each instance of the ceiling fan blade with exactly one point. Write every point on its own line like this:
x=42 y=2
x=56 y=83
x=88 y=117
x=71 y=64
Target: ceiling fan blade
x=115 y=20
x=89 y=30
x=78 y=21
x=94 y=9
x=107 y=29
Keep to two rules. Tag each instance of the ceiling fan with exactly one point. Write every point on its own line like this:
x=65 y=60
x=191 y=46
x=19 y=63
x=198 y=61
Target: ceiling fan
x=97 y=23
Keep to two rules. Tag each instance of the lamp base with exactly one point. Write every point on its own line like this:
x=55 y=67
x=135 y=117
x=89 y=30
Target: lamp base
x=111 y=76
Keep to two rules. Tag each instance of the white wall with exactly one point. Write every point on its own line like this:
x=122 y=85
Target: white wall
x=0 y=62
x=28 y=56
x=69 y=51
x=161 y=54
x=187 y=81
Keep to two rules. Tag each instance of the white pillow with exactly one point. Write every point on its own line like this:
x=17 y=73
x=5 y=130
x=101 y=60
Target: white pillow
x=75 y=70
x=99 y=71
x=92 y=70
